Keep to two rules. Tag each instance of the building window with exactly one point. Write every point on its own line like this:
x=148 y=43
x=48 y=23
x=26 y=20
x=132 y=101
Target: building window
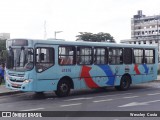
x=156 y=41
x=144 y=42
x=149 y=32
x=134 y=42
x=150 y=42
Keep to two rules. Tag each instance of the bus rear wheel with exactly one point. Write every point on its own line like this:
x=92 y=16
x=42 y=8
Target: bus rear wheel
x=63 y=88
x=125 y=83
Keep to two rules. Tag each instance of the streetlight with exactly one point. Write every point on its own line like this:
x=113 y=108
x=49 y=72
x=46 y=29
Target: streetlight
x=56 y=33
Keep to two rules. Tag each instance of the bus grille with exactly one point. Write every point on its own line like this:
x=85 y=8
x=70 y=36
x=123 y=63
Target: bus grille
x=16 y=74
x=16 y=80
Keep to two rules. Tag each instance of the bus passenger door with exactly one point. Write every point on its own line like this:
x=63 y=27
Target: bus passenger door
x=44 y=66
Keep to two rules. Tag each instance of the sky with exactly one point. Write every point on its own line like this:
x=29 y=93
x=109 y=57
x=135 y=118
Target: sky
x=31 y=18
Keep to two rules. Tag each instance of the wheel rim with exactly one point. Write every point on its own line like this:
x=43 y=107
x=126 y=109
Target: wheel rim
x=64 y=88
x=125 y=82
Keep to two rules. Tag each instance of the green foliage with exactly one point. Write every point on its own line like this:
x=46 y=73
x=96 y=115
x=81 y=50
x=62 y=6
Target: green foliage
x=99 y=37
x=3 y=51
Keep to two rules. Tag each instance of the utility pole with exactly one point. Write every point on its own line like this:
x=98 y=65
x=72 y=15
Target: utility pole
x=45 y=31
x=55 y=32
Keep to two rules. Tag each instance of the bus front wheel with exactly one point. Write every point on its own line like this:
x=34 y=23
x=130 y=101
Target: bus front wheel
x=63 y=88
x=125 y=83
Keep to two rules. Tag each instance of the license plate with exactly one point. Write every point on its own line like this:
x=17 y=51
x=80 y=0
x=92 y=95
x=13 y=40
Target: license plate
x=15 y=85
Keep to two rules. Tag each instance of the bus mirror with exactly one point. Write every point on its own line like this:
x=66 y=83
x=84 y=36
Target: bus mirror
x=42 y=56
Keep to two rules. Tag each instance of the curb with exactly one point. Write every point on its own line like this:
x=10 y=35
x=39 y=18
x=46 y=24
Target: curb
x=156 y=81
x=10 y=93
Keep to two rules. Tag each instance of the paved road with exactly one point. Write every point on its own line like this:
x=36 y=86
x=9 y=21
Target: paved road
x=144 y=97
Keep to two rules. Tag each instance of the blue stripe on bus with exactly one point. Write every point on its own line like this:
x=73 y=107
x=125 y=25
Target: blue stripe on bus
x=109 y=73
x=146 y=68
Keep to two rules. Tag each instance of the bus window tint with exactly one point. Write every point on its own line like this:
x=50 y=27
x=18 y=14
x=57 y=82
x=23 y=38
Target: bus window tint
x=149 y=56
x=138 y=56
x=44 y=58
x=100 y=56
x=84 y=55
x=127 y=56
x=66 y=55
x=115 y=56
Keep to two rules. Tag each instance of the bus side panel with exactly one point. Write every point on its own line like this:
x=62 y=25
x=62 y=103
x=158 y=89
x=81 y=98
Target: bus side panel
x=136 y=79
x=46 y=85
x=117 y=81
x=101 y=75
x=151 y=73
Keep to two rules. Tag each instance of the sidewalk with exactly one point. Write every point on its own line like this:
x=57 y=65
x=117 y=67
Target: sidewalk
x=5 y=91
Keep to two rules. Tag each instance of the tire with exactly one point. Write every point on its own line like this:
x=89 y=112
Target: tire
x=63 y=88
x=125 y=83
x=39 y=93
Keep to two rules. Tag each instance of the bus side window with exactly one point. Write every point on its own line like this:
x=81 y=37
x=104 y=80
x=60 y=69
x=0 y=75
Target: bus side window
x=115 y=56
x=44 y=58
x=84 y=55
x=100 y=56
x=66 y=55
x=127 y=54
x=149 y=56
x=138 y=56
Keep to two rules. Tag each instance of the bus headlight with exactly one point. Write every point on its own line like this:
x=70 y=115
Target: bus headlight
x=7 y=78
x=27 y=81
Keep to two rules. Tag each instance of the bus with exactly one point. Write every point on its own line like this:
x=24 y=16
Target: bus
x=57 y=65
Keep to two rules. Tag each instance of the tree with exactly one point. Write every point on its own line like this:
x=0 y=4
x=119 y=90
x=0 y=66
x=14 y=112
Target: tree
x=2 y=51
x=86 y=36
x=2 y=45
x=99 y=37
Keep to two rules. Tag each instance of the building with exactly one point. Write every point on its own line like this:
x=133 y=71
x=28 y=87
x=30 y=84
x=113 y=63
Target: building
x=144 y=30
x=4 y=36
x=145 y=27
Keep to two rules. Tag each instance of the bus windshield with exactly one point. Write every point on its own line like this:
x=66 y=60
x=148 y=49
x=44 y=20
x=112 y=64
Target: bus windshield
x=20 y=59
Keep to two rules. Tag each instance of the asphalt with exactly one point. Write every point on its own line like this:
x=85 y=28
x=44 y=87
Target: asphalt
x=5 y=91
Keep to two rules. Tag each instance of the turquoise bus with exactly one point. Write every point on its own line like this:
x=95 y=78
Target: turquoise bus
x=58 y=65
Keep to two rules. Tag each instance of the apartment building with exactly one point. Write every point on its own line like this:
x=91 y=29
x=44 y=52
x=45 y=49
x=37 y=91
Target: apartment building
x=144 y=30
